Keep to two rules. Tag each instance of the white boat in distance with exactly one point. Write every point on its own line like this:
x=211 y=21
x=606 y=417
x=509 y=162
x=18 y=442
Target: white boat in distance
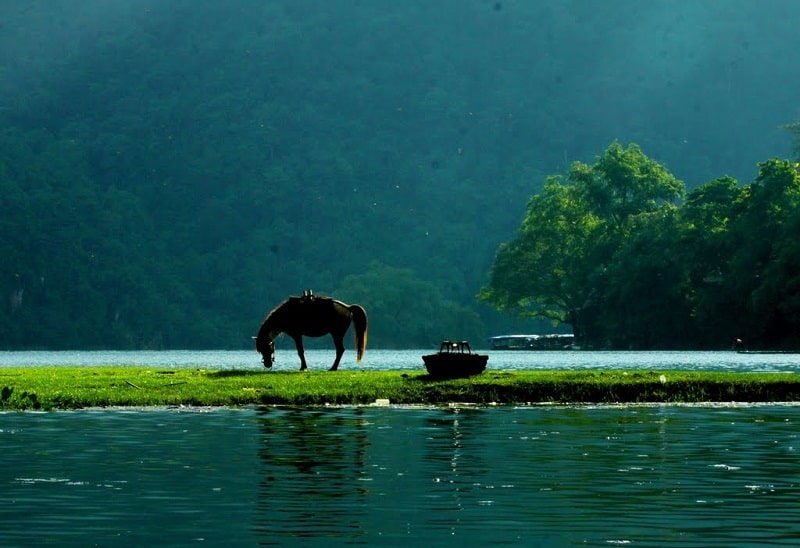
x=553 y=341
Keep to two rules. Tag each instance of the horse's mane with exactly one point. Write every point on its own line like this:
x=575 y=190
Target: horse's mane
x=276 y=312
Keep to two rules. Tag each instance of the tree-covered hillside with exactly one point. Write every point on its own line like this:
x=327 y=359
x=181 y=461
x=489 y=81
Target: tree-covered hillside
x=172 y=170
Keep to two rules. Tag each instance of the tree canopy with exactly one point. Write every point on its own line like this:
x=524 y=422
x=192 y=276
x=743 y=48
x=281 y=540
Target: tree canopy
x=616 y=253
x=558 y=266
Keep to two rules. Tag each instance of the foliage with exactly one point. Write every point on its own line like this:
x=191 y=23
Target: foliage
x=652 y=274
x=408 y=309
x=794 y=129
x=562 y=262
x=763 y=265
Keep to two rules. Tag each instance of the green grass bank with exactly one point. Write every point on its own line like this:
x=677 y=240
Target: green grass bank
x=52 y=388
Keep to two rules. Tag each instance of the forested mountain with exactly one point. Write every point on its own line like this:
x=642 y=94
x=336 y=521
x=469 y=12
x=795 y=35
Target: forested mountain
x=172 y=170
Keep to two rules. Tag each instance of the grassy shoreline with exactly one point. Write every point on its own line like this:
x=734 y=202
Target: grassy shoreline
x=53 y=388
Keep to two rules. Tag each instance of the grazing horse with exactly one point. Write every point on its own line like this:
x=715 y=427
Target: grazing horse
x=312 y=316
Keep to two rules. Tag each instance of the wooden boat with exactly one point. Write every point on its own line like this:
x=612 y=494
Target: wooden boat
x=454 y=359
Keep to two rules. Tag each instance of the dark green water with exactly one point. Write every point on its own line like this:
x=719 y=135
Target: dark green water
x=540 y=476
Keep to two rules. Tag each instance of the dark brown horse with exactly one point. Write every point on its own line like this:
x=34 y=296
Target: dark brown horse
x=312 y=316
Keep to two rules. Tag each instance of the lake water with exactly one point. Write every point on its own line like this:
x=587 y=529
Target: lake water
x=721 y=475
x=535 y=476
x=286 y=359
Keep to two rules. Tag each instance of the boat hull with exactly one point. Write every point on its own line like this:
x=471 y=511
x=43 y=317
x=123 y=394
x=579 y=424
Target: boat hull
x=453 y=365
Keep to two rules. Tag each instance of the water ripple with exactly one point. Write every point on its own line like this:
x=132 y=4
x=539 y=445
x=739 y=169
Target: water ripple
x=592 y=475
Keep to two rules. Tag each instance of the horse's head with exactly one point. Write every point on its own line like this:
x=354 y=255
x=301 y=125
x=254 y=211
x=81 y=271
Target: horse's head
x=268 y=355
x=266 y=347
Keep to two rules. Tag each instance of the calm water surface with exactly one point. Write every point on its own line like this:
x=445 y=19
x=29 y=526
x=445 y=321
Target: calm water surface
x=534 y=476
x=286 y=359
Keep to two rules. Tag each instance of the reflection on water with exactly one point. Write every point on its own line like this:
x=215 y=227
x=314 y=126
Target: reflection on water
x=552 y=476
x=312 y=466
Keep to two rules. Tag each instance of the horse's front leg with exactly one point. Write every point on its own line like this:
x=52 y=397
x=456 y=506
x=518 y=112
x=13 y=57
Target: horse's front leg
x=339 y=344
x=298 y=342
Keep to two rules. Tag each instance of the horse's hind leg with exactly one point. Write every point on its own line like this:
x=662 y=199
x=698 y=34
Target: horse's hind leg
x=338 y=342
x=298 y=342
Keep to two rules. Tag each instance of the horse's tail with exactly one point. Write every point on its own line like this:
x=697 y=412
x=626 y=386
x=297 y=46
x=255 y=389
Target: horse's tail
x=360 y=321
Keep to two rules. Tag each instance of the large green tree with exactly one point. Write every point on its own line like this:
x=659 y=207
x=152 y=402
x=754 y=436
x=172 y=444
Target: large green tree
x=740 y=253
x=559 y=265
x=644 y=305
x=764 y=262
x=705 y=249
x=612 y=254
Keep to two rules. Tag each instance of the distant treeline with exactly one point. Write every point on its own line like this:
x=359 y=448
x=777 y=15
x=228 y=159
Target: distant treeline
x=618 y=250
